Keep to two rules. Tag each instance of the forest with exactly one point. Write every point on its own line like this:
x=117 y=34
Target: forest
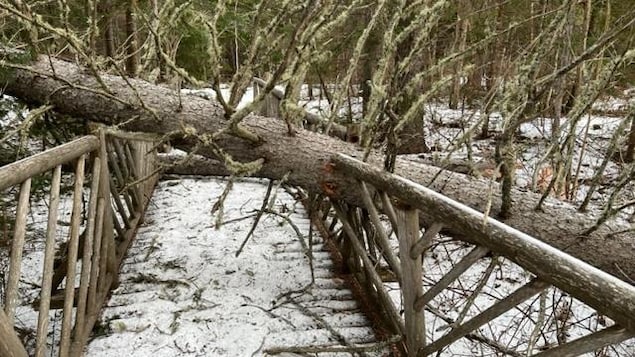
x=504 y=65
x=521 y=109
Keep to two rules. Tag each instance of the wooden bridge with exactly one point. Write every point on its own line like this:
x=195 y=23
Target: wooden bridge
x=122 y=176
x=380 y=244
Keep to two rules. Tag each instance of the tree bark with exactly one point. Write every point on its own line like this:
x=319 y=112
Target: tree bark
x=109 y=37
x=132 y=43
x=306 y=157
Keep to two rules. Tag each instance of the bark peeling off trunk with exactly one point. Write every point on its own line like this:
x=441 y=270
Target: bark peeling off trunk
x=306 y=157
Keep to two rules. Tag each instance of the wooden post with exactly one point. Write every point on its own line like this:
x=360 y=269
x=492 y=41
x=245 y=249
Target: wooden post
x=10 y=344
x=69 y=289
x=95 y=262
x=407 y=220
x=270 y=106
x=97 y=276
x=17 y=247
x=49 y=259
x=111 y=246
x=89 y=237
x=107 y=235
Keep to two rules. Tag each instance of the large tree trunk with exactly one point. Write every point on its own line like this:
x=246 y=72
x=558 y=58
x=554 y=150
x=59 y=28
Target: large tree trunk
x=306 y=157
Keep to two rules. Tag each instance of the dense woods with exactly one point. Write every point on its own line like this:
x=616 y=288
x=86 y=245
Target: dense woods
x=518 y=110
x=514 y=62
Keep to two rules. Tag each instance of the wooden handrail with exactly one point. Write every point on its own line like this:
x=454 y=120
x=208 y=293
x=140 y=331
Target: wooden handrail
x=602 y=291
x=17 y=172
x=101 y=254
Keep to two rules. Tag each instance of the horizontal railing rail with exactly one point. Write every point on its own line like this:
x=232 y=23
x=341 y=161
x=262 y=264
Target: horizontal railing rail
x=364 y=239
x=17 y=172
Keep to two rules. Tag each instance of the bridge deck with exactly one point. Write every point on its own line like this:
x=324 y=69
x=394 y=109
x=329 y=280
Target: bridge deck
x=183 y=292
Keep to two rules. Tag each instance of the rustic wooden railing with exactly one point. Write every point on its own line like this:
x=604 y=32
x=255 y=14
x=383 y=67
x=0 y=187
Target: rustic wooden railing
x=122 y=177
x=364 y=242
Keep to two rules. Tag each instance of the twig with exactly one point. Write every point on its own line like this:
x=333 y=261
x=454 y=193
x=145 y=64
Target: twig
x=265 y=201
x=481 y=284
x=134 y=90
x=271 y=314
x=262 y=343
x=218 y=206
x=294 y=226
x=272 y=200
x=240 y=218
x=535 y=333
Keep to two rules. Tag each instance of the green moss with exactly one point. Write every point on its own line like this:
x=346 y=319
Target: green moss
x=12 y=56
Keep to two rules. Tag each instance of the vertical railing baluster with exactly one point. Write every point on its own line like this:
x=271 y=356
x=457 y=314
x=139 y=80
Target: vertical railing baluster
x=17 y=248
x=97 y=275
x=135 y=175
x=382 y=237
x=117 y=200
x=109 y=245
x=10 y=344
x=126 y=175
x=391 y=312
x=69 y=289
x=86 y=255
x=49 y=259
x=388 y=209
x=411 y=286
x=115 y=163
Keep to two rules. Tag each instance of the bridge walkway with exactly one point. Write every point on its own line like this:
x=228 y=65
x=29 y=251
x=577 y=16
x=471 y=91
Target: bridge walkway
x=182 y=290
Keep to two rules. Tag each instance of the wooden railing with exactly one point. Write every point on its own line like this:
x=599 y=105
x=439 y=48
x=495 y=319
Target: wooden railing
x=366 y=246
x=123 y=175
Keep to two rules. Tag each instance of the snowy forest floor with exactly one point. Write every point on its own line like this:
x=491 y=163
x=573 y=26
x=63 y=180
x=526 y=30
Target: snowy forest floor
x=183 y=292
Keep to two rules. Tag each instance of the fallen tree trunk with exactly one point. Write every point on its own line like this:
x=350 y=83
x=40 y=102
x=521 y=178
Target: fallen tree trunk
x=305 y=157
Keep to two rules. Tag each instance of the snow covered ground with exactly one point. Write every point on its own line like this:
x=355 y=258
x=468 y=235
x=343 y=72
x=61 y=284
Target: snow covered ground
x=183 y=292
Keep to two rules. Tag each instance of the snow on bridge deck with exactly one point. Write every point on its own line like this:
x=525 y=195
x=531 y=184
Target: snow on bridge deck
x=183 y=292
